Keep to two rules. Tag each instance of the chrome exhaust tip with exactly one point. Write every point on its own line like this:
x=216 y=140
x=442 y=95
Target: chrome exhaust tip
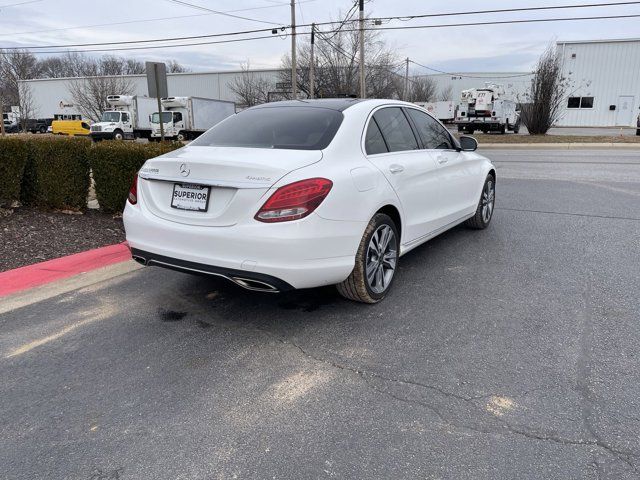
x=254 y=285
x=140 y=260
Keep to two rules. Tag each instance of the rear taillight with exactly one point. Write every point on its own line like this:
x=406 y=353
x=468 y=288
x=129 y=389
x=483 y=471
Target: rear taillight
x=294 y=201
x=133 y=191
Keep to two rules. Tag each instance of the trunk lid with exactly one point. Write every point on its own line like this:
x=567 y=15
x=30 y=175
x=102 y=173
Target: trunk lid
x=237 y=177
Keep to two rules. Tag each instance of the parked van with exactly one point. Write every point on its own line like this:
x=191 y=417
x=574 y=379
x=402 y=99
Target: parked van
x=70 y=127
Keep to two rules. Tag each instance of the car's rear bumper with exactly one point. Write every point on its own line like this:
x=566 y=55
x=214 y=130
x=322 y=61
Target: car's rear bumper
x=307 y=253
x=249 y=280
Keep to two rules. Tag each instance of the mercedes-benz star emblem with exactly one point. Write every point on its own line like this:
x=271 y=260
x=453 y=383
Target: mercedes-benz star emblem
x=184 y=170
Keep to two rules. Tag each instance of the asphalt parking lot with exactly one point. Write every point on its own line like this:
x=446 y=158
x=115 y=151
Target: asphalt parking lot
x=507 y=353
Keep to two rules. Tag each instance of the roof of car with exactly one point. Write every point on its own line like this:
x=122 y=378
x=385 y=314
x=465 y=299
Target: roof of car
x=339 y=104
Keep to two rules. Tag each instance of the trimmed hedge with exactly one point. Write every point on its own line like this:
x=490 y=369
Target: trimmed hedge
x=56 y=174
x=114 y=164
x=13 y=158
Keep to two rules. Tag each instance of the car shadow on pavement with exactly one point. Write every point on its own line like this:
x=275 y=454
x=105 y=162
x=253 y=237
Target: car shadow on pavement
x=210 y=300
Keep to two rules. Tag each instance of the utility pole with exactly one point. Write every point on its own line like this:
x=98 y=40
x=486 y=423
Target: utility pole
x=363 y=91
x=312 y=67
x=294 y=79
x=405 y=93
x=2 y=119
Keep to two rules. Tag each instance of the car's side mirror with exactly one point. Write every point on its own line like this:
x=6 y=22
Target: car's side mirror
x=468 y=144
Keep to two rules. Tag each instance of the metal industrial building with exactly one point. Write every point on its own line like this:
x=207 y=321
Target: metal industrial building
x=52 y=95
x=603 y=79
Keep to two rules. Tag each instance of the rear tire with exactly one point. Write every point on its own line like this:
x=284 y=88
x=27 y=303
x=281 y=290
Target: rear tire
x=377 y=254
x=486 y=205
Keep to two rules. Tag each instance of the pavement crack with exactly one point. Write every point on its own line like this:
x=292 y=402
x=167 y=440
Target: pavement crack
x=610 y=217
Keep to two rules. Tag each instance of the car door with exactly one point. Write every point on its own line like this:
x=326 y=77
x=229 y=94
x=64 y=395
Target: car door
x=126 y=123
x=391 y=144
x=457 y=171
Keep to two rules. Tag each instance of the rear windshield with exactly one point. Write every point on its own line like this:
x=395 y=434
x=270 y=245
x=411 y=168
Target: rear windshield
x=297 y=128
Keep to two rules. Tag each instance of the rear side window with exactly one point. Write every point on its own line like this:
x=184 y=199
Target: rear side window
x=373 y=142
x=395 y=129
x=432 y=134
x=297 y=128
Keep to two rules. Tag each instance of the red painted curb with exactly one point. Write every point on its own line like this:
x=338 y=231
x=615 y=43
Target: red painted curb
x=23 y=278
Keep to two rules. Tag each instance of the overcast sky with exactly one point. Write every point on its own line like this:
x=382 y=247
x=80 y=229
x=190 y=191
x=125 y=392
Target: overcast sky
x=459 y=49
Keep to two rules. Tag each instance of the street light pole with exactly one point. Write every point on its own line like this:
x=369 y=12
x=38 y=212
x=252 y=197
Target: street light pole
x=294 y=79
x=363 y=91
x=312 y=67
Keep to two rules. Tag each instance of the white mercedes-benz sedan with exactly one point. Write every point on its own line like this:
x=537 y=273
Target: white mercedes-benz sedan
x=306 y=193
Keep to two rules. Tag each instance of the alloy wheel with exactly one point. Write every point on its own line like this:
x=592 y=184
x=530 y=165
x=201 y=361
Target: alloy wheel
x=381 y=258
x=488 y=200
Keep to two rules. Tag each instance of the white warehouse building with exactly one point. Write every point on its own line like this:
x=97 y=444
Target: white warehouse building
x=52 y=95
x=603 y=82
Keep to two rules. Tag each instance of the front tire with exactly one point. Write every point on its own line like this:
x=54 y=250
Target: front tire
x=375 y=263
x=118 y=135
x=486 y=205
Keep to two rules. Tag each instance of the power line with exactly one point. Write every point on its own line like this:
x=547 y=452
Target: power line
x=198 y=7
x=509 y=10
x=284 y=34
x=21 y=3
x=469 y=76
x=347 y=17
x=339 y=28
x=152 y=40
x=147 y=20
x=501 y=22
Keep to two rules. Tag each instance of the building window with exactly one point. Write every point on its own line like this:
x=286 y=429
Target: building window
x=586 y=102
x=580 y=102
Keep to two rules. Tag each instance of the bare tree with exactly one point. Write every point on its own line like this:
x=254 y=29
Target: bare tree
x=250 y=87
x=422 y=89
x=90 y=94
x=337 y=67
x=26 y=104
x=542 y=105
x=15 y=65
x=174 y=67
x=79 y=65
x=446 y=94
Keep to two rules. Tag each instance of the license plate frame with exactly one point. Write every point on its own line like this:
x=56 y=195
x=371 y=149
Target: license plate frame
x=179 y=203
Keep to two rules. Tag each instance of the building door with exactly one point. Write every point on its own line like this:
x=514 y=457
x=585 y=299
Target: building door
x=625 y=110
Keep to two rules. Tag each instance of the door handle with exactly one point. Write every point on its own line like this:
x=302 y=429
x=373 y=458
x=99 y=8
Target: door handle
x=395 y=168
x=442 y=159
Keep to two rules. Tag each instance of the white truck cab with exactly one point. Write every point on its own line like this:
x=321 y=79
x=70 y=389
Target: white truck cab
x=128 y=118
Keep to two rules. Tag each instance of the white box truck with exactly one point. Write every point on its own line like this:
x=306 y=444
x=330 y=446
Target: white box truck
x=128 y=118
x=185 y=118
x=444 y=110
x=487 y=109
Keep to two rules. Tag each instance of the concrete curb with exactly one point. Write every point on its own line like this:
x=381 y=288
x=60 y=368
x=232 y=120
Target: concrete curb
x=83 y=280
x=25 y=278
x=559 y=146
